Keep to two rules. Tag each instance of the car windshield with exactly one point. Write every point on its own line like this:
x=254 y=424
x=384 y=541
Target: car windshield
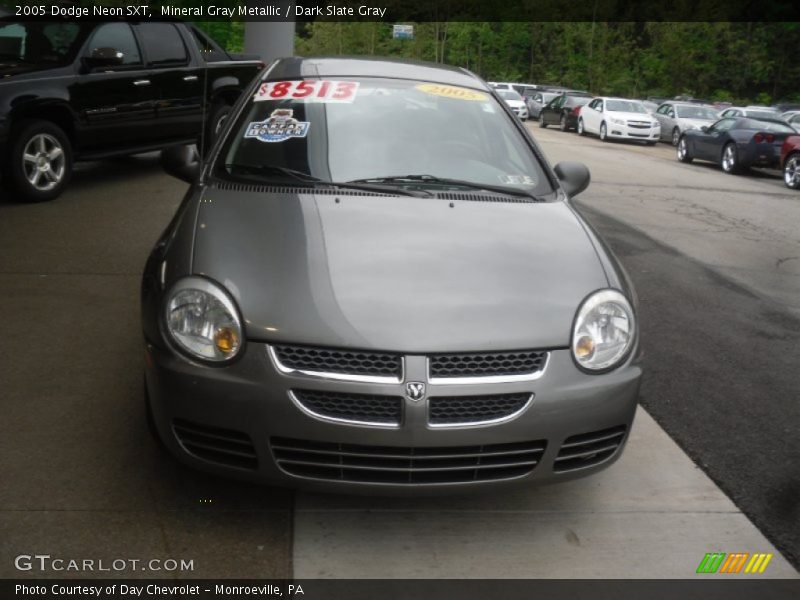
x=40 y=42
x=772 y=126
x=509 y=95
x=695 y=112
x=763 y=114
x=336 y=131
x=631 y=106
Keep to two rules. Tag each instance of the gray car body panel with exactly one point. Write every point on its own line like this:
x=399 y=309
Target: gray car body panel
x=400 y=273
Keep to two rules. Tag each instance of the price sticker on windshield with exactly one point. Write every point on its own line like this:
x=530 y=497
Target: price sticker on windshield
x=319 y=90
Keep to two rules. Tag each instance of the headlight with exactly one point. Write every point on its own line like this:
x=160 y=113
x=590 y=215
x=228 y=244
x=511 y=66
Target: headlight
x=617 y=121
x=604 y=331
x=202 y=319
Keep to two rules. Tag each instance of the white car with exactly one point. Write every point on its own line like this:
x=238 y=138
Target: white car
x=751 y=112
x=515 y=102
x=618 y=118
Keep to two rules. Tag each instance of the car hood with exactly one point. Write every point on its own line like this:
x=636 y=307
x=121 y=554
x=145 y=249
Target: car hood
x=696 y=123
x=632 y=116
x=408 y=274
x=515 y=103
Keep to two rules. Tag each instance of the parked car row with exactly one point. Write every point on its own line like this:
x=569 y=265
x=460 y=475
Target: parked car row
x=736 y=138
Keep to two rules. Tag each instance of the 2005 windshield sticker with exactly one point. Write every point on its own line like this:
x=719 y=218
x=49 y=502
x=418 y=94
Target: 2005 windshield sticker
x=320 y=90
x=279 y=127
x=451 y=91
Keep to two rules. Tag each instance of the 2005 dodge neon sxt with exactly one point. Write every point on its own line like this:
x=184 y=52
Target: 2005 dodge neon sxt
x=377 y=282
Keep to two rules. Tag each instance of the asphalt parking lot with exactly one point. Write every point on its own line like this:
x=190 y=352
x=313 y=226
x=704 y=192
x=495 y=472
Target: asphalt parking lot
x=714 y=259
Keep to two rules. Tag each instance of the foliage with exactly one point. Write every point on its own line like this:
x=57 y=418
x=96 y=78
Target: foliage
x=721 y=60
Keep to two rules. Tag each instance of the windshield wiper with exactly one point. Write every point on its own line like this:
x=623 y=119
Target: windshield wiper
x=316 y=181
x=416 y=179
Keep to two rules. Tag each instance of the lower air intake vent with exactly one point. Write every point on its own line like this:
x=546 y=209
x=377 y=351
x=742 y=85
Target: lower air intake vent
x=464 y=410
x=223 y=446
x=398 y=465
x=362 y=408
x=588 y=449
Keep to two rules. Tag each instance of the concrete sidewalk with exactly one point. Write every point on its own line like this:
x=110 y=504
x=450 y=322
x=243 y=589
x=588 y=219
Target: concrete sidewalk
x=653 y=514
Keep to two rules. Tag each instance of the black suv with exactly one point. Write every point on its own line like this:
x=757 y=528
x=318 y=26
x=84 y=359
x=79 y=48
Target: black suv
x=82 y=91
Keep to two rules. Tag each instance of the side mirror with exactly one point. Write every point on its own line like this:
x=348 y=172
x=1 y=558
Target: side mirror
x=104 y=57
x=182 y=162
x=574 y=177
x=704 y=129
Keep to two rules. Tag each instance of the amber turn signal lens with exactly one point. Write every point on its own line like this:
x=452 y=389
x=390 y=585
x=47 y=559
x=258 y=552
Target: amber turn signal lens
x=584 y=347
x=226 y=340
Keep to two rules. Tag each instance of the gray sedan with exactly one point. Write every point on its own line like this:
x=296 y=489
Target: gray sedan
x=377 y=283
x=537 y=101
x=677 y=117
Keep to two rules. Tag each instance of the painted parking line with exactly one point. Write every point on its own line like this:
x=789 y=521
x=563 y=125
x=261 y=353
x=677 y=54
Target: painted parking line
x=653 y=514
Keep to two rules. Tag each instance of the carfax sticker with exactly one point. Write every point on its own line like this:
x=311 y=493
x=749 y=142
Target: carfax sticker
x=279 y=127
x=517 y=179
x=317 y=90
x=451 y=91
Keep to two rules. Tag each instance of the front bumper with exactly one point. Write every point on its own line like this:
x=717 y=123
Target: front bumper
x=250 y=400
x=522 y=113
x=627 y=132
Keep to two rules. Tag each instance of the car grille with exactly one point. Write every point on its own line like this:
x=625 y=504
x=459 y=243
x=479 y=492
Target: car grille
x=639 y=124
x=460 y=410
x=364 y=408
x=223 y=446
x=344 y=362
x=490 y=364
x=588 y=449
x=400 y=465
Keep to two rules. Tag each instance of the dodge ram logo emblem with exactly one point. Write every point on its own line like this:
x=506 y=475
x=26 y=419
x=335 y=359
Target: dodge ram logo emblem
x=415 y=391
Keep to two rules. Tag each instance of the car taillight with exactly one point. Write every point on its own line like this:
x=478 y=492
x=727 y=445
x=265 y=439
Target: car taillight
x=764 y=137
x=576 y=111
x=770 y=138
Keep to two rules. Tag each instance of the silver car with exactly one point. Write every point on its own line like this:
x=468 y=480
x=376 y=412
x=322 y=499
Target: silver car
x=677 y=117
x=376 y=283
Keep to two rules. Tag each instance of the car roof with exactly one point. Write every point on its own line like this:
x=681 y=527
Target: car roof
x=617 y=98
x=297 y=67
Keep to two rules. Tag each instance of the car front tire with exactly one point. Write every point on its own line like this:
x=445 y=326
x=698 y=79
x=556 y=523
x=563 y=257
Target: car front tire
x=542 y=124
x=683 y=151
x=791 y=171
x=39 y=163
x=581 y=130
x=676 y=136
x=730 y=158
x=563 y=123
x=603 y=132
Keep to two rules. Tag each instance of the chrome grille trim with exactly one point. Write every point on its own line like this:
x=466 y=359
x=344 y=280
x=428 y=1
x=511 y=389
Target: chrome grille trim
x=481 y=423
x=478 y=379
x=341 y=420
x=335 y=376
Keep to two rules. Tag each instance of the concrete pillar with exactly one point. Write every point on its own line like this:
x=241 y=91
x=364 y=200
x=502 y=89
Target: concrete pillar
x=269 y=40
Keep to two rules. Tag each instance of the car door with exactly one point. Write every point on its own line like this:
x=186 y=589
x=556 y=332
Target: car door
x=587 y=116
x=595 y=115
x=550 y=113
x=666 y=117
x=114 y=104
x=178 y=84
x=708 y=144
